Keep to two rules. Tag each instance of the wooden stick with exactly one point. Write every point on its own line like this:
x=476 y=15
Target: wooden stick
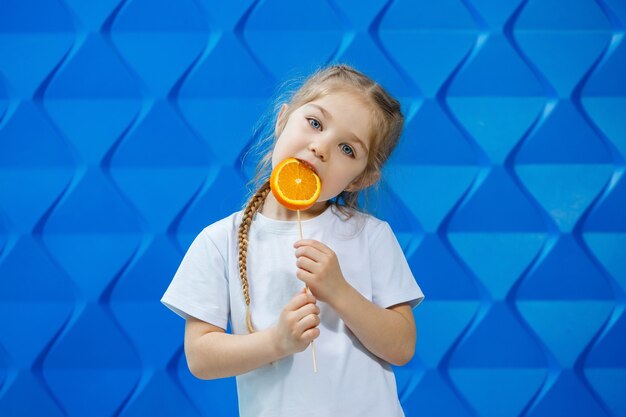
x=309 y=291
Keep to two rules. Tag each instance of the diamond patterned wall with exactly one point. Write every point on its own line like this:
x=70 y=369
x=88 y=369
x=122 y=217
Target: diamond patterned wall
x=122 y=126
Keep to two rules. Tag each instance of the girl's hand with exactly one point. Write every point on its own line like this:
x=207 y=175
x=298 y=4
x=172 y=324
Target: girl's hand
x=319 y=268
x=297 y=324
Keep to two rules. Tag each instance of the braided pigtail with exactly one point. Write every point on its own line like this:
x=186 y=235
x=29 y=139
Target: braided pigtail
x=244 y=229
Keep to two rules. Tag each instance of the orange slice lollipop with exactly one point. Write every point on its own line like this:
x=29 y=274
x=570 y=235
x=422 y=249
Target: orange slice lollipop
x=295 y=185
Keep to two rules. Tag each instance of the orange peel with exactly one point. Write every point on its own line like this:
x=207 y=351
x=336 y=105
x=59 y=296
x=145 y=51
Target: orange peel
x=295 y=185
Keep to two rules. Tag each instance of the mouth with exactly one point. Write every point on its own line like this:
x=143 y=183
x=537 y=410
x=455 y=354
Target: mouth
x=310 y=166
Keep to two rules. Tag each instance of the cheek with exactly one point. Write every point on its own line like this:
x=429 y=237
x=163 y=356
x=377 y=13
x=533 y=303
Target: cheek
x=331 y=188
x=281 y=149
x=287 y=144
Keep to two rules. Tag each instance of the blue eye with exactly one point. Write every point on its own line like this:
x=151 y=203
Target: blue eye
x=315 y=123
x=347 y=149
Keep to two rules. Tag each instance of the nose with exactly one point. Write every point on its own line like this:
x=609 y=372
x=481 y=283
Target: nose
x=319 y=149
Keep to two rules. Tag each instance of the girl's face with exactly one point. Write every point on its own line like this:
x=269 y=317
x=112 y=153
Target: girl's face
x=332 y=134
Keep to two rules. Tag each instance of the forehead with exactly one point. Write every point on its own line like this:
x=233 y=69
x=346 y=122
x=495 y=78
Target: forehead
x=348 y=111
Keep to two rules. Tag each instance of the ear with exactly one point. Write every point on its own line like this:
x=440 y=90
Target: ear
x=363 y=181
x=281 y=116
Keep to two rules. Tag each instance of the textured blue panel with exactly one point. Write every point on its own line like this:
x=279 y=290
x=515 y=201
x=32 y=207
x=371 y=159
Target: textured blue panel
x=439 y=33
x=159 y=40
x=563 y=55
x=32 y=44
x=313 y=31
x=122 y=129
x=38 y=166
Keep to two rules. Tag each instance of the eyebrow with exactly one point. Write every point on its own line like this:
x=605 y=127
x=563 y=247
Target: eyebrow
x=328 y=116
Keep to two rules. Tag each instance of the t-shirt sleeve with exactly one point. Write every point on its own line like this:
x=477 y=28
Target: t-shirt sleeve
x=200 y=286
x=392 y=280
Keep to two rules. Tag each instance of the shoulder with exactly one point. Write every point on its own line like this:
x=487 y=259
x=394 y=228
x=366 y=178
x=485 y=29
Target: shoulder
x=359 y=223
x=223 y=229
x=227 y=222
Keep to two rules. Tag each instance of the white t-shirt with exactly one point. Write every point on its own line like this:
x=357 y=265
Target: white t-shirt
x=350 y=381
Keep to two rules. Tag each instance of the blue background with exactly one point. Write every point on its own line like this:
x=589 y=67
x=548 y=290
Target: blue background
x=122 y=126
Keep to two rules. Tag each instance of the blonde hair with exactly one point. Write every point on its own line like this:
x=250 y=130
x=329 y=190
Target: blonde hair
x=386 y=126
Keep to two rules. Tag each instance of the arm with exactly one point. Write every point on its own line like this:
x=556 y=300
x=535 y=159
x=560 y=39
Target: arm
x=211 y=353
x=388 y=333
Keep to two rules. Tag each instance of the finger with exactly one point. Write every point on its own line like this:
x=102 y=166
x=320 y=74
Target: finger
x=307 y=264
x=310 y=335
x=306 y=310
x=310 y=252
x=304 y=276
x=307 y=322
x=299 y=300
x=314 y=244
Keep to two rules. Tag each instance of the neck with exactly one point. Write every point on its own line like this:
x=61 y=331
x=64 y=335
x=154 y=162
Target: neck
x=274 y=210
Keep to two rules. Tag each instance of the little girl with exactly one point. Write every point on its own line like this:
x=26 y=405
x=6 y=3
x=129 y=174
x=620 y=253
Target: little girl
x=359 y=310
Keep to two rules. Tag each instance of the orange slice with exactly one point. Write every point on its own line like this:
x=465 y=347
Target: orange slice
x=295 y=185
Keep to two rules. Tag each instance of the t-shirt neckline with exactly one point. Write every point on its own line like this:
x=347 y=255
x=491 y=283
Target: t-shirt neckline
x=290 y=226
